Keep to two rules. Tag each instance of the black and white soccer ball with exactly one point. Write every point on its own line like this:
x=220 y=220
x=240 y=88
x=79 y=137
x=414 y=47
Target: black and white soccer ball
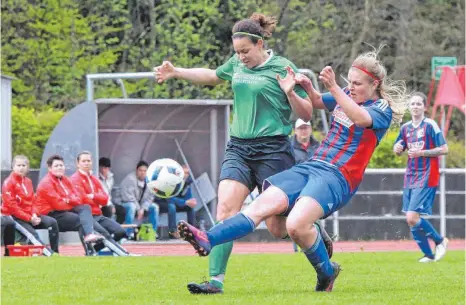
x=165 y=178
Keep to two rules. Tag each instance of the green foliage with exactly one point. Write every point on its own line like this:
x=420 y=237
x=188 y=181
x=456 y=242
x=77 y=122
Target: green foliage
x=456 y=153
x=31 y=130
x=49 y=46
x=384 y=157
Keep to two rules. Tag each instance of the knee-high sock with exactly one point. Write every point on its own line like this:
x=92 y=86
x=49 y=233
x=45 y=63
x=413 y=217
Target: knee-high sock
x=218 y=258
x=421 y=239
x=230 y=229
x=318 y=257
x=430 y=231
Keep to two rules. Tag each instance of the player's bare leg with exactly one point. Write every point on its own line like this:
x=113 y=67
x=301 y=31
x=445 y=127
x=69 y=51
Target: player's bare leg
x=277 y=227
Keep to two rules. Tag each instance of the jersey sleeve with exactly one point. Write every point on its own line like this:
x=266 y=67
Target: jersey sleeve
x=381 y=114
x=329 y=101
x=436 y=134
x=225 y=71
x=401 y=138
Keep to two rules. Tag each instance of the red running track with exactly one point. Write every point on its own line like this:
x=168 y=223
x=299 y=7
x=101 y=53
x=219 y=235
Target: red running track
x=181 y=248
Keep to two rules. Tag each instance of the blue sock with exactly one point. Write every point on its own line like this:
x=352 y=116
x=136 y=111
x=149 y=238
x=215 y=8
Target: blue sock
x=421 y=239
x=318 y=257
x=430 y=231
x=230 y=229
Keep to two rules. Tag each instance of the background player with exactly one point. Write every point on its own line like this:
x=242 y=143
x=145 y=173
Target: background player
x=424 y=141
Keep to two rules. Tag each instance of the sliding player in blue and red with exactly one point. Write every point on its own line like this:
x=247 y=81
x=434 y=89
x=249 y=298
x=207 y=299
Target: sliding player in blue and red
x=324 y=184
x=424 y=141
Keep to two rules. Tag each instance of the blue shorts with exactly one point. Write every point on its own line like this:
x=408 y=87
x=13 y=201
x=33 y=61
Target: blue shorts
x=251 y=161
x=318 y=180
x=419 y=200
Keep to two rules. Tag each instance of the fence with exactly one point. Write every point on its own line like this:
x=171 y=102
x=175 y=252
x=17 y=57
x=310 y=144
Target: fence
x=375 y=210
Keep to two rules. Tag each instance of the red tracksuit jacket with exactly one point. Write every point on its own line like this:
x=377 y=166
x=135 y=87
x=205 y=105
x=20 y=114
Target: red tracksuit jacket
x=88 y=184
x=18 y=197
x=53 y=194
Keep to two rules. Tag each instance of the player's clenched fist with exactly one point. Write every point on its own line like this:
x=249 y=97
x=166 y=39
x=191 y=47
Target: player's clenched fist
x=398 y=148
x=327 y=76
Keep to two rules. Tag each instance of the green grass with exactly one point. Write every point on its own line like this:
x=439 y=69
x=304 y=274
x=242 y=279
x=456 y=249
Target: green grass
x=367 y=278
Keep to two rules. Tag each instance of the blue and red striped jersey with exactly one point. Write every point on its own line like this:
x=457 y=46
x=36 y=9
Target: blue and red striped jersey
x=350 y=147
x=421 y=171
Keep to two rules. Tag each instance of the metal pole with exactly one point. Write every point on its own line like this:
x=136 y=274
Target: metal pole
x=443 y=207
x=336 y=227
x=89 y=89
x=120 y=82
x=213 y=155
x=315 y=83
x=194 y=182
x=227 y=124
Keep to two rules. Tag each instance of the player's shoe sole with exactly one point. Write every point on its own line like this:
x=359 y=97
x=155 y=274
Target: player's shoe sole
x=195 y=237
x=203 y=288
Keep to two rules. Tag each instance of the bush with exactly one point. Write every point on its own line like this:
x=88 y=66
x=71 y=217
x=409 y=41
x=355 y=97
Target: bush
x=31 y=130
x=384 y=157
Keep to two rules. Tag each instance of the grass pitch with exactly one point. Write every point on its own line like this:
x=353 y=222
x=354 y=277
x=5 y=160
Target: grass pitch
x=367 y=278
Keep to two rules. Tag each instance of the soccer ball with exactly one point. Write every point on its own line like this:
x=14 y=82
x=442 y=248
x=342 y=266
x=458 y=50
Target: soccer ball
x=165 y=178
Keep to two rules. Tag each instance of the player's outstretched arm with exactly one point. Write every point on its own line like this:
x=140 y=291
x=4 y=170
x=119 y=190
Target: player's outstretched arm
x=198 y=76
x=355 y=113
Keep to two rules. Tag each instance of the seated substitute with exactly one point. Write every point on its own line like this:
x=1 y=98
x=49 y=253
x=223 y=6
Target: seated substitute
x=93 y=194
x=137 y=199
x=57 y=198
x=19 y=199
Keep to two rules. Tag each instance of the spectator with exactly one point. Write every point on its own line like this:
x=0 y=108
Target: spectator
x=93 y=194
x=19 y=199
x=112 y=208
x=56 y=197
x=184 y=202
x=303 y=143
x=106 y=178
x=137 y=199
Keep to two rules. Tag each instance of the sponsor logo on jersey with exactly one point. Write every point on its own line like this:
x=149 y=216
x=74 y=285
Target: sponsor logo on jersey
x=416 y=145
x=342 y=118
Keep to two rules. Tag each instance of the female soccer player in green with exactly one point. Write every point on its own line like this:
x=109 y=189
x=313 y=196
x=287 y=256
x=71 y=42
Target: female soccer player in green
x=259 y=147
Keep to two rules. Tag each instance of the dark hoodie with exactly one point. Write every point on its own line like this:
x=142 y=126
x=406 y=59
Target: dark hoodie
x=300 y=154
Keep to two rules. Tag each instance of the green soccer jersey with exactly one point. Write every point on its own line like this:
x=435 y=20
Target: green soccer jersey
x=260 y=107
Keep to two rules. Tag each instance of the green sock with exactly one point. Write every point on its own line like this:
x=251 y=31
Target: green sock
x=218 y=259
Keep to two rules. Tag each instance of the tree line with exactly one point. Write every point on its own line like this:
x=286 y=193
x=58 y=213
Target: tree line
x=50 y=45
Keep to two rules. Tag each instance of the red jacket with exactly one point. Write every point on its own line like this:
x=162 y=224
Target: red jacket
x=18 y=197
x=56 y=194
x=88 y=184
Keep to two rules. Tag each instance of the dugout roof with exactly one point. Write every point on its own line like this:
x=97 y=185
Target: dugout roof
x=129 y=130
